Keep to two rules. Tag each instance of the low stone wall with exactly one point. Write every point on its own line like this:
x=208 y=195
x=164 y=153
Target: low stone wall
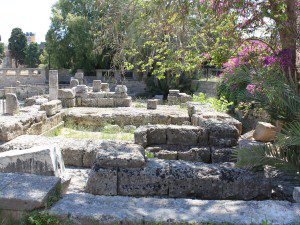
x=96 y=117
x=178 y=179
x=218 y=135
x=26 y=76
x=28 y=121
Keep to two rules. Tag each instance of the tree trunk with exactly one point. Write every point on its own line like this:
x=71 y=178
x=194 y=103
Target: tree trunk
x=288 y=37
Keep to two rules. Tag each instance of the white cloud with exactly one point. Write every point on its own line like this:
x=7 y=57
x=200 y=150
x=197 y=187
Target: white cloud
x=29 y=15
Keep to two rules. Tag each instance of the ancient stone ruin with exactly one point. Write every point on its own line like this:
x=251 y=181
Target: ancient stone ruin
x=178 y=167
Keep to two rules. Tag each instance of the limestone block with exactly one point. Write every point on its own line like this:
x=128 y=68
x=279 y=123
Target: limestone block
x=105 y=102
x=185 y=97
x=152 y=103
x=173 y=99
x=68 y=103
x=10 y=90
x=174 y=92
x=195 y=155
x=120 y=156
x=140 y=136
x=81 y=89
x=168 y=155
x=46 y=160
x=147 y=181
x=296 y=194
x=53 y=85
x=97 y=85
x=105 y=87
x=12 y=104
x=156 y=135
x=122 y=102
x=66 y=93
x=96 y=95
x=74 y=83
x=265 y=132
x=102 y=181
x=89 y=209
x=27 y=192
x=121 y=89
x=209 y=181
x=118 y=95
x=52 y=107
x=222 y=135
x=79 y=75
x=89 y=102
x=221 y=155
x=183 y=135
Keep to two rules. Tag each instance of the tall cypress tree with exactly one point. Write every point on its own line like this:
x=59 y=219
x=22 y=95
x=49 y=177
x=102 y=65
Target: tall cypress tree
x=17 y=46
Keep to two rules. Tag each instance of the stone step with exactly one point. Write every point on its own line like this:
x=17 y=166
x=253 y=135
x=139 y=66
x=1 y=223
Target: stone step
x=26 y=192
x=89 y=209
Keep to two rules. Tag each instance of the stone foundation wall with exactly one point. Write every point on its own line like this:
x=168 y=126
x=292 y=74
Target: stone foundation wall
x=15 y=77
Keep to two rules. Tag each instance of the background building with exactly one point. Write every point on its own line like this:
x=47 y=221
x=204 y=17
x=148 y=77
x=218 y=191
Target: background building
x=30 y=37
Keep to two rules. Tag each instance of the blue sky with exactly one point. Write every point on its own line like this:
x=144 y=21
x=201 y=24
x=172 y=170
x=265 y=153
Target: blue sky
x=29 y=15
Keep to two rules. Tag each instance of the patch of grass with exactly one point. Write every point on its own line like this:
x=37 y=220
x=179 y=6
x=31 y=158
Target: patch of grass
x=220 y=105
x=35 y=218
x=149 y=155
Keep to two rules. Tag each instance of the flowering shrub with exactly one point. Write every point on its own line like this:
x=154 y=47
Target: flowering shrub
x=247 y=75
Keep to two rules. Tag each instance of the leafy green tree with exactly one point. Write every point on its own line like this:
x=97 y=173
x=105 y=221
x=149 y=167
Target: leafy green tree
x=2 y=53
x=32 y=55
x=71 y=38
x=17 y=46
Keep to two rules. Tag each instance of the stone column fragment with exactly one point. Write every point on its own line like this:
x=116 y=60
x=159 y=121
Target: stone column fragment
x=12 y=104
x=53 y=85
x=97 y=85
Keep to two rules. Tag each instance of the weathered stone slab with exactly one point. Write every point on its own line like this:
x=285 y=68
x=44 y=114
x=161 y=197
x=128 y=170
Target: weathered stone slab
x=156 y=135
x=183 y=135
x=68 y=103
x=127 y=116
x=90 y=209
x=120 y=155
x=44 y=160
x=102 y=181
x=222 y=135
x=152 y=103
x=97 y=85
x=74 y=83
x=53 y=85
x=53 y=107
x=147 y=181
x=165 y=154
x=209 y=181
x=12 y=104
x=26 y=191
x=66 y=93
x=122 y=102
x=221 y=155
x=201 y=154
x=265 y=132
